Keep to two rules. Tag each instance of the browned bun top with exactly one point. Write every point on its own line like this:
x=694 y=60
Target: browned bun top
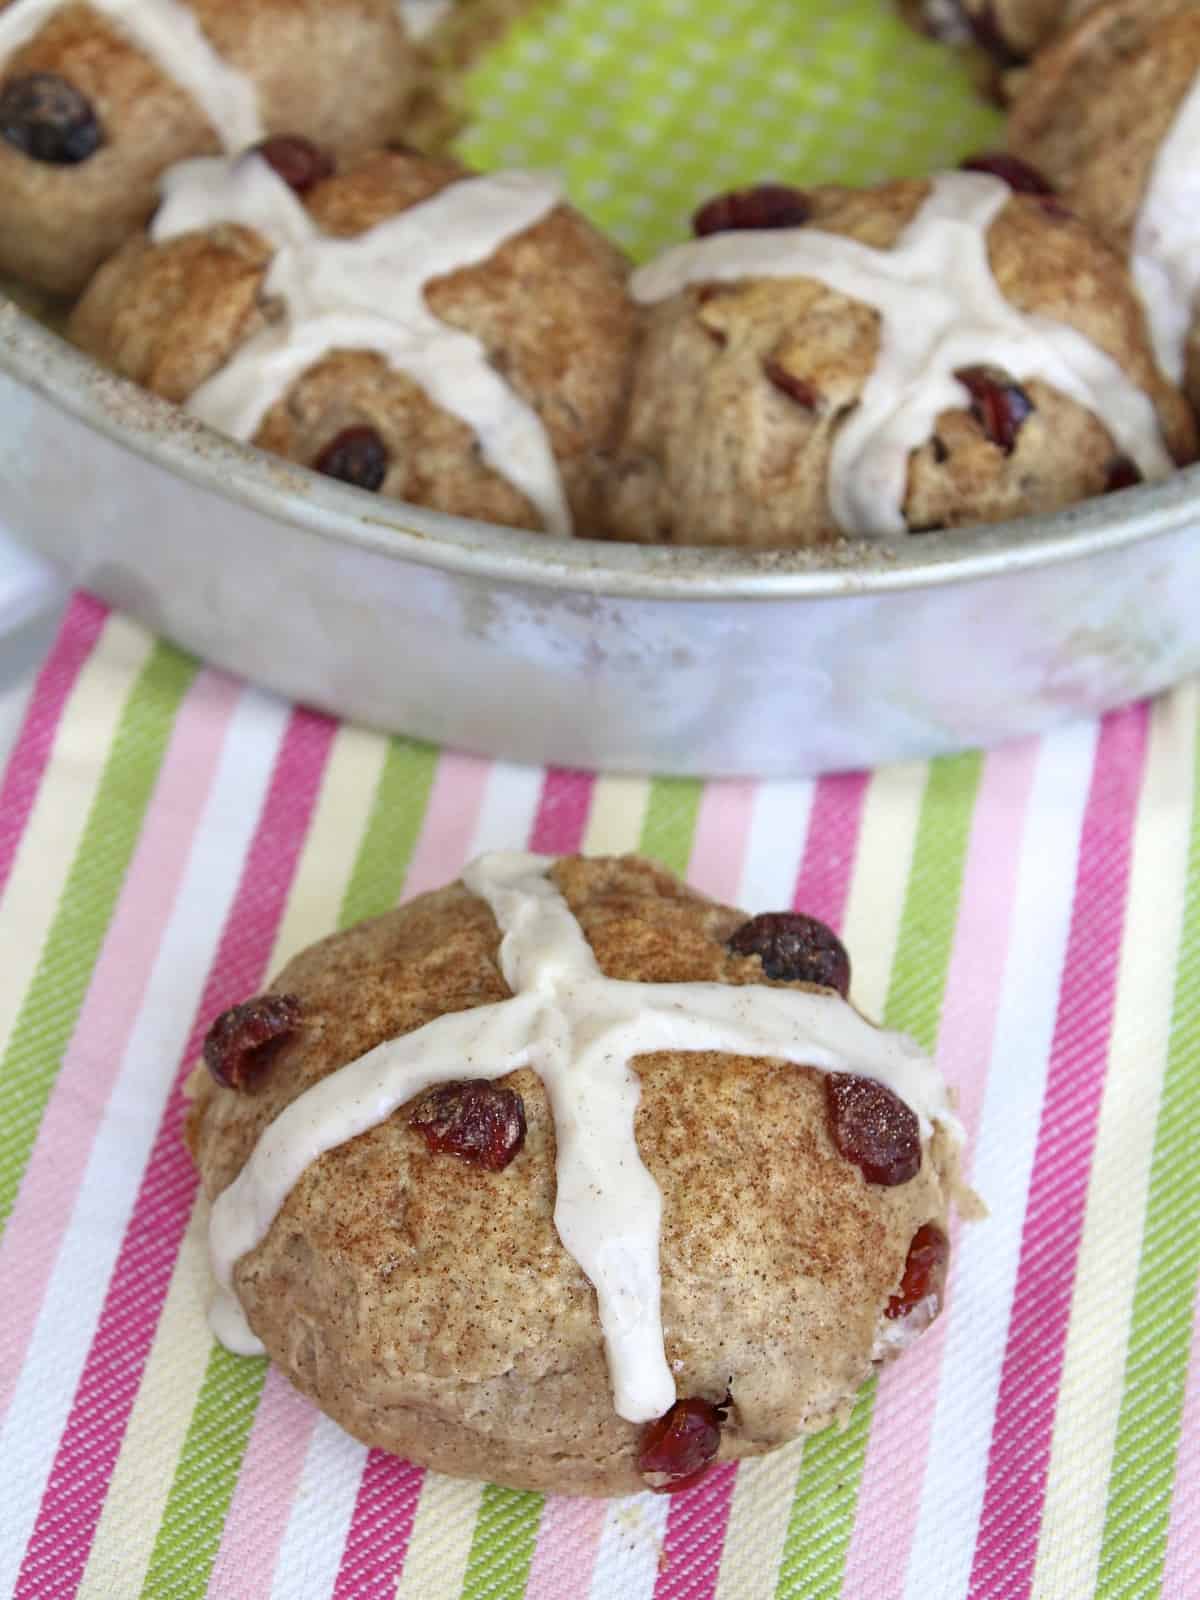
x=741 y=388
x=340 y=71
x=428 y=1304
x=550 y=308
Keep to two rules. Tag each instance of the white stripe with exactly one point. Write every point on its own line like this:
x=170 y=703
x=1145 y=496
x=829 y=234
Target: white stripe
x=778 y=830
x=51 y=839
x=1089 y=1399
x=986 y=1257
x=44 y=1391
x=510 y=803
x=630 y=1549
x=310 y=1554
x=764 y=1487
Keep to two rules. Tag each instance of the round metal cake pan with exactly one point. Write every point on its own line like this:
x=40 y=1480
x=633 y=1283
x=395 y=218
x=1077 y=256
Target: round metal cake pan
x=618 y=657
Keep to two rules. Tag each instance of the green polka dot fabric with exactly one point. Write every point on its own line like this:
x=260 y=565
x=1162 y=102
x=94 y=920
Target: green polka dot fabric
x=647 y=107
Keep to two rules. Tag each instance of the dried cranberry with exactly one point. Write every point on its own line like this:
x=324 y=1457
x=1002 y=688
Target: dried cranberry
x=474 y=1119
x=795 y=948
x=766 y=205
x=998 y=406
x=237 y=1043
x=797 y=389
x=679 y=1447
x=357 y=455
x=873 y=1128
x=47 y=119
x=1122 y=474
x=297 y=160
x=1017 y=174
x=924 y=1272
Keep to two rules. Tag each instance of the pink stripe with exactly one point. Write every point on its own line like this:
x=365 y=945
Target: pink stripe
x=567 y=1546
x=823 y=881
x=378 y=1539
x=87 y=1452
x=695 y=1537
x=698 y=1520
x=265 y=1492
x=719 y=846
x=1016 y=1481
x=380 y=1530
x=890 y=1494
x=451 y=819
x=95 y=1055
x=282 y=1432
x=1183 y=1530
x=81 y=628
x=562 y=812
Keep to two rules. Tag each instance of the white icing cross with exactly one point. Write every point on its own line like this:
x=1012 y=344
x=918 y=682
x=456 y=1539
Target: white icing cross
x=366 y=293
x=941 y=310
x=579 y=1031
x=1165 y=259
x=167 y=32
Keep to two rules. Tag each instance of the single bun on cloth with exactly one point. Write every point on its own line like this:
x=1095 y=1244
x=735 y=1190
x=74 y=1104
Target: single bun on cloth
x=402 y=324
x=567 y=1177
x=881 y=362
x=97 y=100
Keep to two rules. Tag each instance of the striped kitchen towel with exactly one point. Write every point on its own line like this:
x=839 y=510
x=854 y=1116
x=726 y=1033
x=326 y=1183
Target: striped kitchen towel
x=168 y=837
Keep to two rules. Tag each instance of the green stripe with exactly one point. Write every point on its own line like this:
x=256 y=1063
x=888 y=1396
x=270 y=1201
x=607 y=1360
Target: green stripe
x=502 y=1546
x=190 y=1531
x=506 y=1531
x=670 y=822
x=814 y=1554
x=50 y=1010
x=393 y=828
x=1139 y=1495
x=211 y=1459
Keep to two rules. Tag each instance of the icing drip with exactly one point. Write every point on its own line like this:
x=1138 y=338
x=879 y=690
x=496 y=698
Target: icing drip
x=168 y=33
x=366 y=293
x=421 y=17
x=940 y=310
x=1165 y=260
x=579 y=1031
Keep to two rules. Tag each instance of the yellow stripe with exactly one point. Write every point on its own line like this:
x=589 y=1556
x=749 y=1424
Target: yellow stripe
x=335 y=835
x=765 y=1489
x=440 y=1543
x=618 y=811
x=1105 y=1279
x=882 y=864
x=60 y=812
x=763 y=1492
x=175 y=1370
x=170 y=1386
